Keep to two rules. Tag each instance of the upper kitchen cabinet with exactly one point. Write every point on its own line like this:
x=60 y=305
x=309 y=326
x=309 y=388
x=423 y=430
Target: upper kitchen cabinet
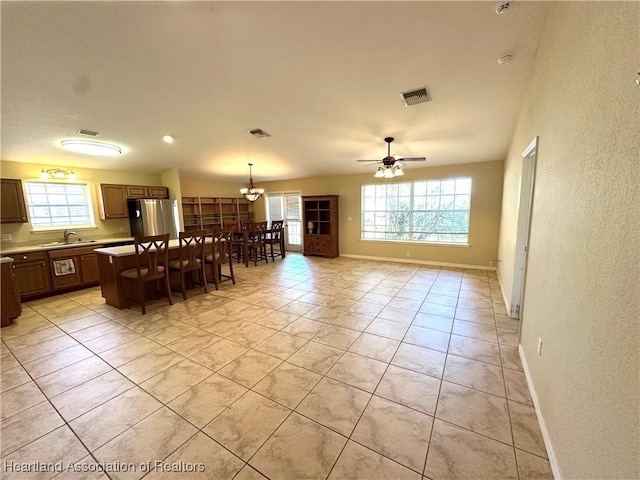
x=113 y=198
x=141 y=191
x=113 y=201
x=13 y=209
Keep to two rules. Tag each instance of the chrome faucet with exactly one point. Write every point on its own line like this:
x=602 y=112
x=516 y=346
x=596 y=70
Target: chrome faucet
x=67 y=234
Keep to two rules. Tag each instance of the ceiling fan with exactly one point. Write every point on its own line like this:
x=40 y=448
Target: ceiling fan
x=392 y=166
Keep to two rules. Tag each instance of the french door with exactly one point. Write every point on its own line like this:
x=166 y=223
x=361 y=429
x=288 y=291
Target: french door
x=287 y=206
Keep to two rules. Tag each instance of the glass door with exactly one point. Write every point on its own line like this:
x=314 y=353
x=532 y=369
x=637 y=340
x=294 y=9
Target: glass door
x=287 y=206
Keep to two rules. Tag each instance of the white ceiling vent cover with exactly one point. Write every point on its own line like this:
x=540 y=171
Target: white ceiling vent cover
x=259 y=133
x=82 y=131
x=416 y=96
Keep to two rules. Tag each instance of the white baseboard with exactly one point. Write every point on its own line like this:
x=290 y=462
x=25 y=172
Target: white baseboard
x=553 y=460
x=419 y=262
x=505 y=300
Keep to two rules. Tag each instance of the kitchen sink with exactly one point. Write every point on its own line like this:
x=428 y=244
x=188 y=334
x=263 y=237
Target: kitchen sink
x=63 y=244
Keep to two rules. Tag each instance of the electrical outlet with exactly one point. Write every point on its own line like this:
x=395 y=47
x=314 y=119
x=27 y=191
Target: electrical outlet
x=408 y=254
x=349 y=219
x=539 y=346
x=122 y=229
x=6 y=237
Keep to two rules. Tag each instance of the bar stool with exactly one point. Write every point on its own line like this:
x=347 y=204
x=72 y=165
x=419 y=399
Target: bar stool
x=151 y=257
x=221 y=253
x=191 y=252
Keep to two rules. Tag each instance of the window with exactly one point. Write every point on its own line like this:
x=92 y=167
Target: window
x=55 y=206
x=430 y=211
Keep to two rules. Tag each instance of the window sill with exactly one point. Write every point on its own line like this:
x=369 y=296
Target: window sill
x=60 y=229
x=408 y=242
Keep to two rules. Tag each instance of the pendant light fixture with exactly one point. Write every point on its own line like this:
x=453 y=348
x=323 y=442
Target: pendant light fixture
x=252 y=193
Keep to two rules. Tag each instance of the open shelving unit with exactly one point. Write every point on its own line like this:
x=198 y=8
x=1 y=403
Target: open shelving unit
x=210 y=213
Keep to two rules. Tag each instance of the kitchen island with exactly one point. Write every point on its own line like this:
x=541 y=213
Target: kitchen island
x=112 y=261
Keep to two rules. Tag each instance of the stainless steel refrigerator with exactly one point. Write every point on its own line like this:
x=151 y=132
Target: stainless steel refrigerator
x=153 y=217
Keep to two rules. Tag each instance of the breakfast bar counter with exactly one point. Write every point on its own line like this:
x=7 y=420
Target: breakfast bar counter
x=112 y=261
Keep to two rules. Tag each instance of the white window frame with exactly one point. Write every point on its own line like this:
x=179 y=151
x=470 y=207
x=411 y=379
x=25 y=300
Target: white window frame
x=412 y=208
x=50 y=228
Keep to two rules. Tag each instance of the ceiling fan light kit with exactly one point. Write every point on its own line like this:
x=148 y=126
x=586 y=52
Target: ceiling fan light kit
x=389 y=167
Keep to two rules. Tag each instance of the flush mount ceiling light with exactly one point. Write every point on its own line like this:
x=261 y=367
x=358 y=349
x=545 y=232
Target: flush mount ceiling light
x=58 y=173
x=252 y=193
x=89 y=147
x=167 y=139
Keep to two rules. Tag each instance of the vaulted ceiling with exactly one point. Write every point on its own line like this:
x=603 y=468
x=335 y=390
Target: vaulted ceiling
x=323 y=78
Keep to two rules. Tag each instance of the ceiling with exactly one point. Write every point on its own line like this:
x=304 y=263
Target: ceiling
x=323 y=78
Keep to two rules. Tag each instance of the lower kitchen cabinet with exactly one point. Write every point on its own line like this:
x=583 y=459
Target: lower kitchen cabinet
x=89 y=268
x=72 y=267
x=43 y=273
x=32 y=273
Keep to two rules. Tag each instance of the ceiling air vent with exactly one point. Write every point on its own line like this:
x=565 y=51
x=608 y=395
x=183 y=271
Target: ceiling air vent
x=87 y=132
x=414 y=97
x=259 y=133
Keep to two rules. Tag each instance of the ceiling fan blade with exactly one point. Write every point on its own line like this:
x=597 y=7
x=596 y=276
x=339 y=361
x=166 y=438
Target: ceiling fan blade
x=367 y=160
x=411 y=159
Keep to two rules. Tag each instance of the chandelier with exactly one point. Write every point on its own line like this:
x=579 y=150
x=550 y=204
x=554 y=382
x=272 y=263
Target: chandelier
x=252 y=193
x=389 y=171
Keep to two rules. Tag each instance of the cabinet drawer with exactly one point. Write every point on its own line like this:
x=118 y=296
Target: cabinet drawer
x=29 y=257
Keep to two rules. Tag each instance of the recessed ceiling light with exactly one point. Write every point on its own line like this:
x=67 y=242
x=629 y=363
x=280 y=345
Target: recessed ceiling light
x=92 y=148
x=167 y=139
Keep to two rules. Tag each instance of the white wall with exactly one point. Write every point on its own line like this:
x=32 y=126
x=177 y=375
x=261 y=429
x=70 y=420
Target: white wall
x=583 y=284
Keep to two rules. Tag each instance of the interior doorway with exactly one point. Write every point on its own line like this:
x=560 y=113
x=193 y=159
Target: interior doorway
x=287 y=206
x=525 y=203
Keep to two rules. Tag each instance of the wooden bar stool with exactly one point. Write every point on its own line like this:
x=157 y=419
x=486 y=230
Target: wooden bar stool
x=221 y=253
x=151 y=256
x=191 y=251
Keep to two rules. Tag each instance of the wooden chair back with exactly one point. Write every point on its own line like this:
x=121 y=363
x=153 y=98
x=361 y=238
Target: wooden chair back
x=191 y=249
x=152 y=256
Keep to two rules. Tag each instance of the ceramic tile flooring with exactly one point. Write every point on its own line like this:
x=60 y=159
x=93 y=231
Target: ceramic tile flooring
x=307 y=368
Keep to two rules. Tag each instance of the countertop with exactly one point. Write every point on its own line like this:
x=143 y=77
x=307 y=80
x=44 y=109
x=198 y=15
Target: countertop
x=127 y=250
x=36 y=248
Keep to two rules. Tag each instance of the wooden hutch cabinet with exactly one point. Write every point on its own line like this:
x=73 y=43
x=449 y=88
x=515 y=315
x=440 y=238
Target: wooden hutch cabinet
x=320 y=223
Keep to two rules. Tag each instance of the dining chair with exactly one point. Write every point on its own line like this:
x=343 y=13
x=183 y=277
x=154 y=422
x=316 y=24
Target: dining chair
x=151 y=257
x=256 y=246
x=241 y=239
x=191 y=251
x=276 y=237
x=221 y=253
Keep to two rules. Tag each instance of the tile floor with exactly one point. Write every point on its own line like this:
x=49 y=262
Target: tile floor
x=307 y=368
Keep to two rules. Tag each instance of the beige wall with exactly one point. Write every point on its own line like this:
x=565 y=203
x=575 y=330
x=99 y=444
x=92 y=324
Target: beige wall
x=582 y=287
x=21 y=232
x=203 y=187
x=483 y=229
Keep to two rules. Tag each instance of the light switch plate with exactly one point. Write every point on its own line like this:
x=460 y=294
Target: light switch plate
x=6 y=237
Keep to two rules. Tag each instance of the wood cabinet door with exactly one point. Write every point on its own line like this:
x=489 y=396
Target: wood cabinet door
x=13 y=209
x=68 y=280
x=32 y=278
x=89 y=268
x=137 y=191
x=114 y=201
x=158 y=192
